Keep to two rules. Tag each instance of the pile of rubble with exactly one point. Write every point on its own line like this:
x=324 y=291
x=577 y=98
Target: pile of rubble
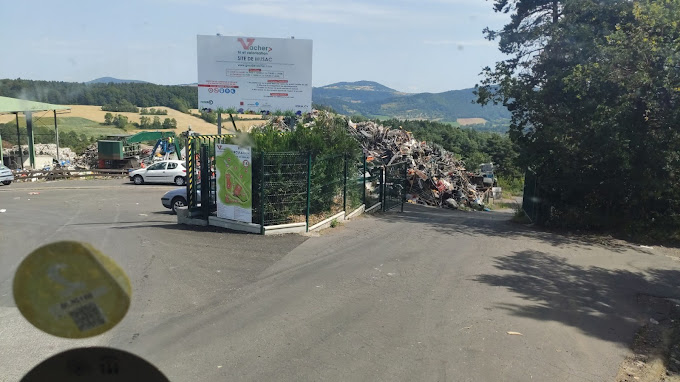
x=436 y=177
x=88 y=159
x=49 y=149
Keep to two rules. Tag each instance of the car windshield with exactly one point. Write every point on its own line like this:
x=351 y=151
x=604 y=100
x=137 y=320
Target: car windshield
x=359 y=190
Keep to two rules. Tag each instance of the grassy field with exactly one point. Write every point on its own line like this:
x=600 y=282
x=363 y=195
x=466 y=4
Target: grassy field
x=84 y=118
x=454 y=124
x=79 y=125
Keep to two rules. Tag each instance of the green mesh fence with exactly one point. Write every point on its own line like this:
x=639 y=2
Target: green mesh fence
x=393 y=190
x=293 y=187
x=284 y=181
x=373 y=185
x=326 y=187
x=355 y=183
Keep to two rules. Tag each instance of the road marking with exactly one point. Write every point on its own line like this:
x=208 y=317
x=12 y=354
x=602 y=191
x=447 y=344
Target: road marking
x=87 y=188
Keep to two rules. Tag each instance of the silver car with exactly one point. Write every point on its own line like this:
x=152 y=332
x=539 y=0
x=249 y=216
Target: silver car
x=178 y=197
x=167 y=171
x=6 y=176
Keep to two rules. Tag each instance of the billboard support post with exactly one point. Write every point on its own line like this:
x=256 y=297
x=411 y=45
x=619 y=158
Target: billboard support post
x=233 y=122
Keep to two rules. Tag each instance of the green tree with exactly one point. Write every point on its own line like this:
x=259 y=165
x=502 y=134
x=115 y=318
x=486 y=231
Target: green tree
x=180 y=104
x=210 y=117
x=156 y=123
x=594 y=109
x=144 y=122
x=108 y=118
x=121 y=121
x=167 y=123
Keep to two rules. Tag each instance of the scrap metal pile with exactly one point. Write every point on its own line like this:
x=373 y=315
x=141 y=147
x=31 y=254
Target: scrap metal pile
x=435 y=176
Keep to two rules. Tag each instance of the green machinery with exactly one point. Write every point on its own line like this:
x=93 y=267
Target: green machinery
x=123 y=151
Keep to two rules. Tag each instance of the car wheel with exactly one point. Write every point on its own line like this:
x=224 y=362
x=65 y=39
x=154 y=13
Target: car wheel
x=138 y=179
x=178 y=201
x=179 y=180
x=6 y=182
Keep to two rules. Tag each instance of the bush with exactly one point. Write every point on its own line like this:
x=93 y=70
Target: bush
x=120 y=121
x=153 y=111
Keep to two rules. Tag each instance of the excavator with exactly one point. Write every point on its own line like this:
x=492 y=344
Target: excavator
x=124 y=151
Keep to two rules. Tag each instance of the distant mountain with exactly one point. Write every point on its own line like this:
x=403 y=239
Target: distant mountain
x=374 y=100
x=355 y=92
x=106 y=80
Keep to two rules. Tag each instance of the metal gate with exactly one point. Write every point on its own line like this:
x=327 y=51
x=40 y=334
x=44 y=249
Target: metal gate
x=394 y=184
x=200 y=165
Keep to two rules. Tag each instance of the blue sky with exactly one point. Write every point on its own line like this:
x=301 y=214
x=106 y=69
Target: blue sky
x=411 y=46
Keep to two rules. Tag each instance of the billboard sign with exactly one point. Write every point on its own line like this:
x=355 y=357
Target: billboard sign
x=254 y=74
x=234 y=182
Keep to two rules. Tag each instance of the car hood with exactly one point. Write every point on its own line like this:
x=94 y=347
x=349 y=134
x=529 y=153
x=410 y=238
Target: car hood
x=138 y=171
x=182 y=191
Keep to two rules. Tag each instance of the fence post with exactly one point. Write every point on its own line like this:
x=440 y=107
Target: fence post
x=191 y=173
x=344 y=184
x=205 y=180
x=262 y=193
x=309 y=186
x=403 y=190
x=363 y=198
x=382 y=188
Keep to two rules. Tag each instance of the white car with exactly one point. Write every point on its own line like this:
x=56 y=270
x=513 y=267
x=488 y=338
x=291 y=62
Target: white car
x=6 y=176
x=167 y=171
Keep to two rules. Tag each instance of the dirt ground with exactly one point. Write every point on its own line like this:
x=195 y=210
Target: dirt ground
x=471 y=121
x=656 y=347
x=96 y=114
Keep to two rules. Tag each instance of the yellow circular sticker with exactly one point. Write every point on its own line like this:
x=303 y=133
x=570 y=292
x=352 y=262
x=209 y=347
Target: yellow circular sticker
x=69 y=289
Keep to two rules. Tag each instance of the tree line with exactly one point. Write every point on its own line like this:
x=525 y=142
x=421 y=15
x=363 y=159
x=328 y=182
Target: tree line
x=181 y=98
x=45 y=134
x=594 y=91
x=145 y=122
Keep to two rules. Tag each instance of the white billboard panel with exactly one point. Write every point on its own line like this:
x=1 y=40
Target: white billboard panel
x=254 y=74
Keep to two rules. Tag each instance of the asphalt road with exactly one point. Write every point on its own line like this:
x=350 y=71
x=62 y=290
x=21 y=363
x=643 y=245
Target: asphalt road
x=427 y=295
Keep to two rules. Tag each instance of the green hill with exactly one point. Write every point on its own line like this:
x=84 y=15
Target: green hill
x=372 y=99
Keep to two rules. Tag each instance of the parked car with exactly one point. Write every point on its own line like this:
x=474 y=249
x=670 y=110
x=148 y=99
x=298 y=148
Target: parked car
x=6 y=176
x=167 y=171
x=178 y=197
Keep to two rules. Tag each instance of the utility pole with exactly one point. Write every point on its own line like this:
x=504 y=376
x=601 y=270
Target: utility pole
x=56 y=132
x=21 y=152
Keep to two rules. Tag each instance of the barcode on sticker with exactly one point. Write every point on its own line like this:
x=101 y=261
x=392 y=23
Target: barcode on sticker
x=87 y=317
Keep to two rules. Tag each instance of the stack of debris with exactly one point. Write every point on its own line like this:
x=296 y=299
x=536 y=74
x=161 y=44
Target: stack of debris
x=88 y=159
x=436 y=176
x=49 y=149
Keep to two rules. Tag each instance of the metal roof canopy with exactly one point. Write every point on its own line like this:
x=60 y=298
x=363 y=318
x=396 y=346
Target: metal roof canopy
x=15 y=106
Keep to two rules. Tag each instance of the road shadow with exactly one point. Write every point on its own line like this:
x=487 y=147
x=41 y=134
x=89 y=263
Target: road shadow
x=603 y=303
x=189 y=228
x=498 y=224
